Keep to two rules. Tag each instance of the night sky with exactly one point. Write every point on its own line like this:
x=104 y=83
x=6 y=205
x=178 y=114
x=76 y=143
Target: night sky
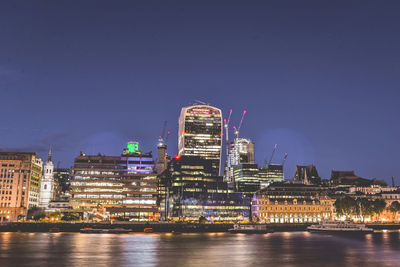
x=321 y=79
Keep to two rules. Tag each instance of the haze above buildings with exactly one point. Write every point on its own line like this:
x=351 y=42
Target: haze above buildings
x=321 y=82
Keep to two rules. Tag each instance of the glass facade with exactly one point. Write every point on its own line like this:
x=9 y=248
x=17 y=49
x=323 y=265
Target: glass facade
x=200 y=133
x=123 y=187
x=192 y=190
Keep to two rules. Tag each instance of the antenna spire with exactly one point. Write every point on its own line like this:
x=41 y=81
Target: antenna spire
x=49 y=156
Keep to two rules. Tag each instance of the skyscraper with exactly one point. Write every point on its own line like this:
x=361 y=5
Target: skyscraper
x=241 y=151
x=200 y=133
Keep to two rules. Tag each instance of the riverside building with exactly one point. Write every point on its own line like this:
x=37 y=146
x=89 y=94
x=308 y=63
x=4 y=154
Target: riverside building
x=20 y=174
x=292 y=203
x=190 y=190
x=200 y=133
x=122 y=187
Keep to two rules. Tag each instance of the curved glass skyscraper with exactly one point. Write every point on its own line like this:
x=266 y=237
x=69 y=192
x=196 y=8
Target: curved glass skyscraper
x=200 y=133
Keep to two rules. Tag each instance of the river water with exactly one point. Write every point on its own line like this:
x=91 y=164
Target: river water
x=208 y=249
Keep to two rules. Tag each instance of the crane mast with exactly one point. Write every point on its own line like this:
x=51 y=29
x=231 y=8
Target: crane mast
x=226 y=126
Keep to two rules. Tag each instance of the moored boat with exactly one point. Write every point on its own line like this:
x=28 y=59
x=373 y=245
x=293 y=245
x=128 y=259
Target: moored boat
x=105 y=231
x=340 y=227
x=91 y=230
x=118 y=231
x=250 y=229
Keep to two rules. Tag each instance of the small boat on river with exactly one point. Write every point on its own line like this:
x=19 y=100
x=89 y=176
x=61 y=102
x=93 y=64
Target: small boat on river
x=250 y=229
x=105 y=231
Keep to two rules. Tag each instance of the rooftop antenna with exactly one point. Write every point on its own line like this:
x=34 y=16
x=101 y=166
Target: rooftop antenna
x=393 y=181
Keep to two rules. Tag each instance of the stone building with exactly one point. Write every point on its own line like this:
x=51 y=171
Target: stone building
x=47 y=183
x=20 y=174
x=292 y=203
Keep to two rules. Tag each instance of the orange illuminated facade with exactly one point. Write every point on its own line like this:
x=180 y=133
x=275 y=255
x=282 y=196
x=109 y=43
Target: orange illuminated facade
x=20 y=175
x=292 y=203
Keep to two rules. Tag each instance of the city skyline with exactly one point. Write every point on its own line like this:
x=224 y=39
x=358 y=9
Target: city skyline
x=320 y=82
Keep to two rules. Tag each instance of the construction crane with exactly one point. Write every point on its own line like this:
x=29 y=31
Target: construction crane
x=284 y=159
x=272 y=155
x=267 y=163
x=237 y=130
x=226 y=125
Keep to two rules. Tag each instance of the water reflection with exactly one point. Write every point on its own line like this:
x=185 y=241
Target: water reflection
x=224 y=249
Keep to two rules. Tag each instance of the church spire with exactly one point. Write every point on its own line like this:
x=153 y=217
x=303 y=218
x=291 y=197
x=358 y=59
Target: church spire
x=49 y=157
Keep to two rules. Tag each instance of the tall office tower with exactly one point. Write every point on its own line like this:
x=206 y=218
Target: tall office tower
x=241 y=151
x=47 y=183
x=61 y=183
x=20 y=174
x=200 y=133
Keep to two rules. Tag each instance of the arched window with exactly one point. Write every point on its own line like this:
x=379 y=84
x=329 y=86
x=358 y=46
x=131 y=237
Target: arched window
x=45 y=186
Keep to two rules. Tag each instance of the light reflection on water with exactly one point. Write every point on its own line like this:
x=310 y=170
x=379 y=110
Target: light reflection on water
x=212 y=249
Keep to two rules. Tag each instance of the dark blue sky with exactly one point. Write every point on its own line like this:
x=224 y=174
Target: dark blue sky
x=321 y=80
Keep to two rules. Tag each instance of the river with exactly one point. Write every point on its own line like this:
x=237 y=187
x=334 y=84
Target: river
x=205 y=249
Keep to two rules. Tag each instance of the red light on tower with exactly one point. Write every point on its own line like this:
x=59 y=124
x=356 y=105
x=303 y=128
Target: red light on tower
x=177 y=157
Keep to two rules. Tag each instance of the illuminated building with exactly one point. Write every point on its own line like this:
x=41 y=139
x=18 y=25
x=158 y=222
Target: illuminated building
x=292 y=203
x=273 y=174
x=193 y=190
x=200 y=133
x=20 y=175
x=47 y=183
x=241 y=151
x=61 y=183
x=125 y=186
x=249 y=178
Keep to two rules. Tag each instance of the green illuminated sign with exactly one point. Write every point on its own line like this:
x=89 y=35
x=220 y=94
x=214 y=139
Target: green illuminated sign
x=133 y=147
